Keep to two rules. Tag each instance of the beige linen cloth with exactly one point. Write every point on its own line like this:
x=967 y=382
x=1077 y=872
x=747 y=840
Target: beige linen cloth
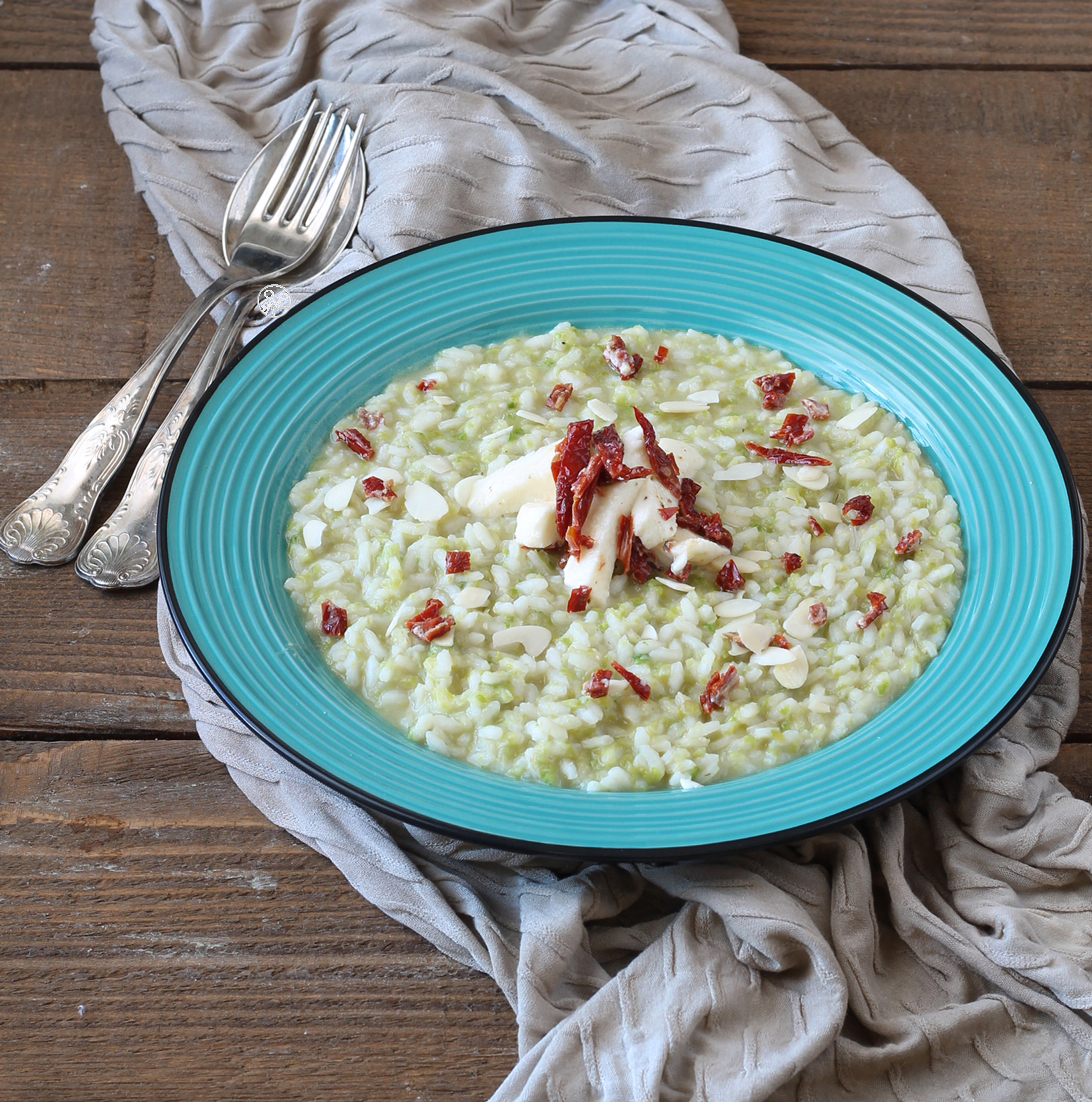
x=940 y=949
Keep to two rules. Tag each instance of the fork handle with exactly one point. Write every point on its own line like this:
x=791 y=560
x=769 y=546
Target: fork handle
x=122 y=554
x=48 y=527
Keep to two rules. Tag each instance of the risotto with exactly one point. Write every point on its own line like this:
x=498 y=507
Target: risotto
x=623 y=559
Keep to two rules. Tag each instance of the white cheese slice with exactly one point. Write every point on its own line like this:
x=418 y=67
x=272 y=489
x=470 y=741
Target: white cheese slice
x=650 y=526
x=536 y=524
x=595 y=565
x=529 y=478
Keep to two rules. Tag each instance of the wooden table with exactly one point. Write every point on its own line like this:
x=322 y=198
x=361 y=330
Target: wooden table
x=158 y=937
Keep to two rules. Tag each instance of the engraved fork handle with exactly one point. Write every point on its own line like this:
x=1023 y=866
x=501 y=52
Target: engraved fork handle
x=48 y=527
x=122 y=554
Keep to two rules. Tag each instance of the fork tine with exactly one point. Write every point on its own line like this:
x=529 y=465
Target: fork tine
x=320 y=178
x=286 y=165
x=304 y=169
x=320 y=200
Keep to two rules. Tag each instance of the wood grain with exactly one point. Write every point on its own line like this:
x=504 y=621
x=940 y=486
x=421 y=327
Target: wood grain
x=878 y=33
x=96 y=311
x=78 y=249
x=160 y=938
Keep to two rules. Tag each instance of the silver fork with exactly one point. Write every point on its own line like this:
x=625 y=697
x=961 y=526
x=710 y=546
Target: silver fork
x=281 y=230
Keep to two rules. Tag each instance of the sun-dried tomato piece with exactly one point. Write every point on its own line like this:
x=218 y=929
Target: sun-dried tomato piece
x=457 y=562
x=334 y=620
x=638 y=686
x=559 y=396
x=663 y=463
x=788 y=458
x=374 y=486
x=791 y=562
x=775 y=388
x=583 y=493
x=817 y=614
x=816 y=528
x=818 y=411
x=705 y=524
x=879 y=604
x=578 y=599
x=779 y=640
x=627 y=364
x=668 y=513
x=598 y=684
x=909 y=543
x=661 y=354
x=356 y=442
x=858 y=510
x=681 y=575
x=641 y=564
x=610 y=444
x=717 y=689
x=729 y=578
x=368 y=419
x=625 y=541
x=428 y=624
x=426 y=384
x=794 y=430
x=571 y=458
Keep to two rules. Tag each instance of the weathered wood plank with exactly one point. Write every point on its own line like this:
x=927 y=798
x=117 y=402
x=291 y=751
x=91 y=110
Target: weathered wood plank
x=1004 y=158
x=81 y=260
x=957 y=33
x=90 y=288
x=155 y=931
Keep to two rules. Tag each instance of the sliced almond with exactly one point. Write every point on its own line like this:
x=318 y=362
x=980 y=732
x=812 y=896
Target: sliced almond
x=756 y=637
x=532 y=638
x=707 y=397
x=339 y=495
x=473 y=596
x=829 y=511
x=438 y=464
x=462 y=489
x=674 y=583
x=527 y=415
x=425 y=504
x=797 y=623
x=312 y=533
x=811 y=478
x=793 y=674
x=683 y=407
x=739 y=472
x=736 y=606
x=774 y=656
x=856 y=418
x=601 y=411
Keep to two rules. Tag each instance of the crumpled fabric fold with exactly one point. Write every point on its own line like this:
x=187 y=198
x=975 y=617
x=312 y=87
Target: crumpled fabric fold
x=940 y=948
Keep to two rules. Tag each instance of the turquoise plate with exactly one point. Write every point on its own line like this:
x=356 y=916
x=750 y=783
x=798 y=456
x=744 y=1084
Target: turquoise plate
x=224 y=511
